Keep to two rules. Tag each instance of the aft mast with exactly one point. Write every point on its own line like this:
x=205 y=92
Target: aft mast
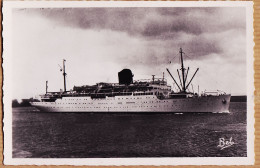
x=64 y=74
x=46 y=87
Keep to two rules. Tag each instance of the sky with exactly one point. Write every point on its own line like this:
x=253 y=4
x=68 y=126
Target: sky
x=97 y=43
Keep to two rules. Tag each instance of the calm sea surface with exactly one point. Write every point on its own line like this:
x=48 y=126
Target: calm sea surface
x=83 y=135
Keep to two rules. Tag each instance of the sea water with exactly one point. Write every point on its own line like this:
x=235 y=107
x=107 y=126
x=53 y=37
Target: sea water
x=103 y=135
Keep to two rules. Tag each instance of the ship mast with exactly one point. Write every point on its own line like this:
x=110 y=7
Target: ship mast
x=183 y=71
x=64 y=75
x=183 y=79
x=46 y=87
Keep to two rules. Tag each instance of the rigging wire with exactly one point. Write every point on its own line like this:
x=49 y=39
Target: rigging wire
x=208 y=74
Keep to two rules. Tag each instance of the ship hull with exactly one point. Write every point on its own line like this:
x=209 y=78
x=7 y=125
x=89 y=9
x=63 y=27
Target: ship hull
x=148 y=103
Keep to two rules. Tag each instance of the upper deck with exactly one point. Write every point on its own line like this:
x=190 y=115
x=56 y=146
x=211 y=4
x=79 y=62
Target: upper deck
x=157 y=86
x=143 y=85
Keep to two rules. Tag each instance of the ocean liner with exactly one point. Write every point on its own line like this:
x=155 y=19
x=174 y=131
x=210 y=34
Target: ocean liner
x=152 y=95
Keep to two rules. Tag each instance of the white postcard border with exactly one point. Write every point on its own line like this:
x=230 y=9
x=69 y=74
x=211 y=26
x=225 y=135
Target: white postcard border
x=7 y=87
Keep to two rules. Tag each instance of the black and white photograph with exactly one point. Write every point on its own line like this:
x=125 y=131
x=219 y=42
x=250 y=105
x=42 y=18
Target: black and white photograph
x=128 y=83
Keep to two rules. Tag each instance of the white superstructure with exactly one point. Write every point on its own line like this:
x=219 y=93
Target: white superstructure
x=138 y=103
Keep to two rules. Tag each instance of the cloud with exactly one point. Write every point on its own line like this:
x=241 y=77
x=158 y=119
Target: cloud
x=170 y=26
x=148 y=21
x=99 y=42
x=198 y=30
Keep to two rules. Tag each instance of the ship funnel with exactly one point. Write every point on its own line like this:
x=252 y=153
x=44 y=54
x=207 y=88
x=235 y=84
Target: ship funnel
x=125 y=77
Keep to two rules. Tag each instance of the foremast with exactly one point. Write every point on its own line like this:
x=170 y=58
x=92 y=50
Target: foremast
x=183 y=72
x=183 y=77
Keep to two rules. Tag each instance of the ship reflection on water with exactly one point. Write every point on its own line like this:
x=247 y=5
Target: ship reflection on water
x=89 y=135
